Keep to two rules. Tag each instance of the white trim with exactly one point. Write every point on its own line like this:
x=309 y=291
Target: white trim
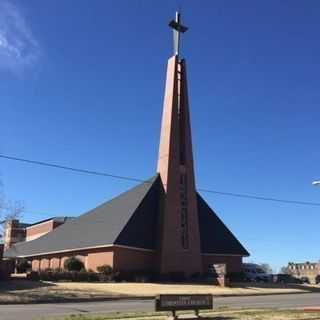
x=226 y=254
x=85 y=248
x=133 y=248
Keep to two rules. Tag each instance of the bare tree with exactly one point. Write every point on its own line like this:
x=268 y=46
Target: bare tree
x=9 y=210
x=266 y=268
x=284 y=270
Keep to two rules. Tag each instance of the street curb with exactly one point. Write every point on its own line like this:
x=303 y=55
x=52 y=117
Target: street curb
x=312 y=309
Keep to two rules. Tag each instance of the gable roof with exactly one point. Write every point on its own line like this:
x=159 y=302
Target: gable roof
x=130 y=219
x=118 y=221
x=215 y=237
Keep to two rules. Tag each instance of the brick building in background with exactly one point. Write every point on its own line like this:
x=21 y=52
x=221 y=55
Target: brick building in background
x=163 y=224
x=16 y=231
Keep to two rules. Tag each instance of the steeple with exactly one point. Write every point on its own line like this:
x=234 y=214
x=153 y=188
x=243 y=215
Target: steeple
x=179 y=236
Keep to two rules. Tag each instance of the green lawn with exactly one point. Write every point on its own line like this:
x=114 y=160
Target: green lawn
x=216 y=315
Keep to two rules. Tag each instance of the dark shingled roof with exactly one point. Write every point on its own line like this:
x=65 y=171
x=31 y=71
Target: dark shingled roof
x=129 y=220
x=61 y=219
x=215 y=237
x=103 y=225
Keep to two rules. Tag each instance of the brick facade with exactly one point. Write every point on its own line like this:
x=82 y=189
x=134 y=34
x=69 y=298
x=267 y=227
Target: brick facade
x=308 y=270
x=126 y=259
x=14 y=232
x=38 y=230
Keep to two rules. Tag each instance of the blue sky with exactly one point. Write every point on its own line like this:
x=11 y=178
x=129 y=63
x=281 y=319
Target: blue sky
x=82 y=85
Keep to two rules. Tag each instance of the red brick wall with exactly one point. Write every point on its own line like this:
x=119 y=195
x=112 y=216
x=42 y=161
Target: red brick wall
x=44 y=264
x=35 y=264
x=37 y=231
x=131 y=259
x=117 y=257
x=98 y=258
x=55 y=263
x=233 y=263
x=13 y=233
x=126 y=259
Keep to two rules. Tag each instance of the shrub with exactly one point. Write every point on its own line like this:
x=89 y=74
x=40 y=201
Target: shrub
x=236 y=276
x=195 y=276
x=92 y=276
x=105 y=269
x=23 y=265
x=74 y=276
x=134 y=276
x=73 y=264
x=177 y=276
x=33 y=276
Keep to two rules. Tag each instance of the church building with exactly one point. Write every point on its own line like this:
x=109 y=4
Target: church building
x=161 y=225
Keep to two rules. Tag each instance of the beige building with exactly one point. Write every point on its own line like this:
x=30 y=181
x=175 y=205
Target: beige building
x=307 y=269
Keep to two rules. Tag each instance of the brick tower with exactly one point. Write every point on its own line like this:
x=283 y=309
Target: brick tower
x=179 y=235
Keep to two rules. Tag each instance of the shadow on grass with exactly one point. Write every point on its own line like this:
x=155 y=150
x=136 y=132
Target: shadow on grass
x=213 y=318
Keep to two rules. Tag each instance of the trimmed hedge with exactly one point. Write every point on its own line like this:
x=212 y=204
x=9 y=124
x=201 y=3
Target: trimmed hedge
x=90 y=276
x=237 y=276
x=74 y=276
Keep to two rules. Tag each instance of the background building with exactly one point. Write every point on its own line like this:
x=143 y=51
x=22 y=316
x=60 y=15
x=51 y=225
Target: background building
x=307 y=269
x=16 y=231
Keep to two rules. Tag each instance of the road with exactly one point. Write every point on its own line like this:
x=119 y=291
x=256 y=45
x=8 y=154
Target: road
x=40 y=311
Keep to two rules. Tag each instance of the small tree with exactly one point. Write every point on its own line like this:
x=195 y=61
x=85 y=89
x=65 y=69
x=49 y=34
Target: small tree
x=73 y=264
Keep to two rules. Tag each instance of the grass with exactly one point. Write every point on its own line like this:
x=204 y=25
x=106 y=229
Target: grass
x=22 y=291
x=216 y=315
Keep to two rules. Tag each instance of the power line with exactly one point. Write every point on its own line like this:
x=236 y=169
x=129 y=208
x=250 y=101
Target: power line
x=249 y=196
x=105 y=174
x=58 y=166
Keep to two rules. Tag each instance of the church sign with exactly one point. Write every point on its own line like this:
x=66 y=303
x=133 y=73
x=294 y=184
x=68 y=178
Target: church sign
x=175 y=302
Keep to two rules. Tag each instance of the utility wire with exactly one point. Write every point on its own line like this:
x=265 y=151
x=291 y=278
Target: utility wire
x=58 y=166
x=104 y=174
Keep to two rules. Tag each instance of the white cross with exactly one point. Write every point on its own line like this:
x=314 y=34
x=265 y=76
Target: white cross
x=177 y=29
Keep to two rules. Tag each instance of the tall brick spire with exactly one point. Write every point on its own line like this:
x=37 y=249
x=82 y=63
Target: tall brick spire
x=179 y=235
